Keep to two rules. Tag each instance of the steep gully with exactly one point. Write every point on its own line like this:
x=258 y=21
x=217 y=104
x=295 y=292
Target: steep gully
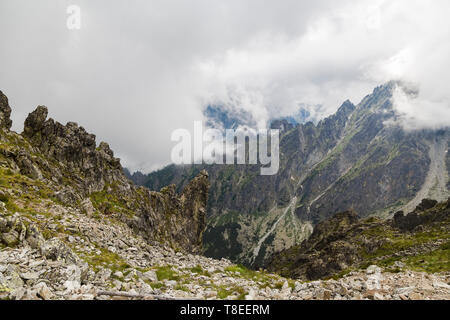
x=437 y=177
x=272 y=229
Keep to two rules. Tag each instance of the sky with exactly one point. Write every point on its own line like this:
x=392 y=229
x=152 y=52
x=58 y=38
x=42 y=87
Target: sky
x=137 y=70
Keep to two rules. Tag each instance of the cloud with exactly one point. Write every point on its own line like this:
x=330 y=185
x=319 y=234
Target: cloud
x=137 y=71
x=415 y=112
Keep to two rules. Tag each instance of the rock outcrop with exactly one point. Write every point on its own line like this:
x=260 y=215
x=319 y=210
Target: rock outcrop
x=185 y=213
x=5 y=112
x=344 y=243
x=418 y=217
x=66 y=162
x=89 y=167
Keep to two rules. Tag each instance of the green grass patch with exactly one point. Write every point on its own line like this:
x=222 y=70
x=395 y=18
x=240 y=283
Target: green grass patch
x=180 y=287
x=157 y=285
x=167 y=273
x=199 y=270
x=106 y=259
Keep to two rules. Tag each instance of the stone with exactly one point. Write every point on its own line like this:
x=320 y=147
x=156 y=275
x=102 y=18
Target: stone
x=415 y=296
x=11 y=238
x=71 y=285
x=150 y=276
x=104 y=275
x=373 y=269
x=378 y=296
x=35 y=238
x=343 y=291
x=55 y=249
x=327 y=295
x=88 y=207
x=251 y=295
x=29 y=276
x=117 y=284
x=399 y=264
x=43 y=291
x=112 y=249
x=73 y=273
x=210 y=294
x=12 y=279
x=146 y=289
x=18 y=293
x=441 y=285
x=171 y=283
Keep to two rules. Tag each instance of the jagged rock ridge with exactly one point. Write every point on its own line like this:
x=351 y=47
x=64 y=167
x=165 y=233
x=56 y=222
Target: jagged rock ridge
x=338 y=245
x=79 y=173
x=72 y=227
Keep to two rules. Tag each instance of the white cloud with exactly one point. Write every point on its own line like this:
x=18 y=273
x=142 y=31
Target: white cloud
x=137 y=71
x=419 y=113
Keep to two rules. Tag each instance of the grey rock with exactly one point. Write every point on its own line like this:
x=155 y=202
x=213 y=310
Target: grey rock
x=11 y=238
x=150 y=276
x=5 y=112
x=43 y=291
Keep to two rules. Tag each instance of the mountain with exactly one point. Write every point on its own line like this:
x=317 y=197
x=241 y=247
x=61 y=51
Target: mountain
x=137 y=177
x=359 y=158
x=344 y=243
x=58 y=163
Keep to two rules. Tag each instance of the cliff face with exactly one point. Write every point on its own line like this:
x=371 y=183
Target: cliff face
x=67 y=166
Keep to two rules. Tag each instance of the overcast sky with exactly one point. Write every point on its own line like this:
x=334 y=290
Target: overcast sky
x=139 y=69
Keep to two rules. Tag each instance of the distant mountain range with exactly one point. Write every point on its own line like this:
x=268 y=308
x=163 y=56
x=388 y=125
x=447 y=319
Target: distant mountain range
x=359 y=158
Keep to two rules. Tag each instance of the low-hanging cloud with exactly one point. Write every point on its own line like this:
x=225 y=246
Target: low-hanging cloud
x=137 y=71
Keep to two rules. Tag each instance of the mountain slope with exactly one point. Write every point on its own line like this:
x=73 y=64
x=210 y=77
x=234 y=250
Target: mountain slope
x=359 y=158
x=63 y=164
x=420 y=240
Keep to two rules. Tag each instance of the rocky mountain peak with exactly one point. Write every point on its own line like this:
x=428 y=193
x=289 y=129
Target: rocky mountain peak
x=346 y=108
x=75 y=149
x=5 y=112
x=35 y=121
x=66 y=161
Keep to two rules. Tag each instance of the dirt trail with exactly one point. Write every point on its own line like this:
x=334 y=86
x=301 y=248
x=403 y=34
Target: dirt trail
x=435 y=183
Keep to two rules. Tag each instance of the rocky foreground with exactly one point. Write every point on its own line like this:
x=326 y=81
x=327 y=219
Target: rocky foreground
x=99 y=258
